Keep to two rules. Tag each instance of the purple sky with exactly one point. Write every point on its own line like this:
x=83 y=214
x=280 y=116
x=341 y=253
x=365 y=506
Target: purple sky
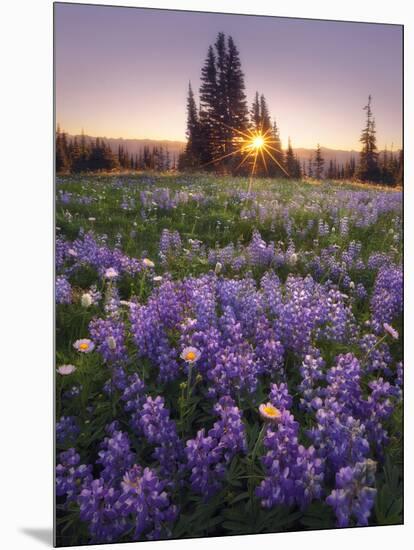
x=123 y=72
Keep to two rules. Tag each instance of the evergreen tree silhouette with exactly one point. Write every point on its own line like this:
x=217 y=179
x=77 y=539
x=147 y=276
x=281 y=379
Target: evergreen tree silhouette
x=193 y=154
x=223 y=109
x=62 y=164
x=368 y=169
x=208 y=107
x=291 y=162
x=318 y=163
x=255 y=113
x=277 y=152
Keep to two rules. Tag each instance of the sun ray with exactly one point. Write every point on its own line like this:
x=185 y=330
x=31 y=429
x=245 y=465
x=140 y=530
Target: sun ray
x=221 y=158
x=277 y=162
x=249 y=145
x=264 y=161
x=244 y=160
x=247 y=136
x=253 y=169
x=255 y=160
x=273 y=148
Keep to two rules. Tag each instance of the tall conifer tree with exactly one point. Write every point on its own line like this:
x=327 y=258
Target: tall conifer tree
x=255 y=113
x=368 y=169
x=319 y=163
x=192 y=156
x=208 y=107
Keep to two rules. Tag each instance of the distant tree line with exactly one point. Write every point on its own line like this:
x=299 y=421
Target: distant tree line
x=383 y=167
x=388 y=168
x=75 y=155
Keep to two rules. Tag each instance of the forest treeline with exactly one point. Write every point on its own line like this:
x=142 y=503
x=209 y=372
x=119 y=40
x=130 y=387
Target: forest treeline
x=77 y=155
x=218 y=127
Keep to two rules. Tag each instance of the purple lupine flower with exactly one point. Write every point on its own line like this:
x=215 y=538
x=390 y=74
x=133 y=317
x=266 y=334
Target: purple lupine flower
x=360 y=291
x=170 y=244
x=159 y=430
x=309 y=309
x=386 y=300
x=235 y=369
x=67 y=430
x=133 y=394
x=379 y=407
x=152 y=323
x=70 y=475
x=99 y=507
x=143 y=497
x=209 y=455
x=91 y=250
x=269 y=351
x=241 y=300
x=259 y=253
x=203 y=459
x=118 y=381
x=354 y=494
x=63 y=290
x=312 y=373
x=377 y=260
x=338 y=437
x=109 y=337
x=229 y=429
x=323 y=228
x=72 y=392
x=115 y=455
x=377 y=355
x=344 y=383
x=61 y=252
x=294 y=474
x=279 y=396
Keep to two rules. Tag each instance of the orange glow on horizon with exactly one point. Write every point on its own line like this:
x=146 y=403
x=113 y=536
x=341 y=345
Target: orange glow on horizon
x=173 y=137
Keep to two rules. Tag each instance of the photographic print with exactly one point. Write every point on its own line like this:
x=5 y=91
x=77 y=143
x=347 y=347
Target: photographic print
x=229 y=274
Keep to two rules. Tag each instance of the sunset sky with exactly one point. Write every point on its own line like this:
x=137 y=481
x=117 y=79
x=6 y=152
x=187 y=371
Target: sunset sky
x=124 y=72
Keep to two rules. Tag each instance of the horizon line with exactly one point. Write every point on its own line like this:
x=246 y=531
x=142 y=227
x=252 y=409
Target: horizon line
x=393 y=148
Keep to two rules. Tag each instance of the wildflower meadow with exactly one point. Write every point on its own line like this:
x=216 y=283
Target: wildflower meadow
x=228 y=356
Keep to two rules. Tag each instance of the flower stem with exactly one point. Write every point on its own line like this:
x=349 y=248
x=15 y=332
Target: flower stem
x=252 y=461
x=190 y=370
x=258 y=441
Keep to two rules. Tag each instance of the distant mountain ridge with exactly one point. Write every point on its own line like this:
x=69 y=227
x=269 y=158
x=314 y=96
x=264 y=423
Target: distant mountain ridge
x=341 y=156
x=134 y=146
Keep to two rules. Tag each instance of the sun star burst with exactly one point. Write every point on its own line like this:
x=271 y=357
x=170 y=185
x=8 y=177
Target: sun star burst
x=249 y=145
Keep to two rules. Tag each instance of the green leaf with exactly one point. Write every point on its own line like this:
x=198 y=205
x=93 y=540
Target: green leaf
x=318 y=516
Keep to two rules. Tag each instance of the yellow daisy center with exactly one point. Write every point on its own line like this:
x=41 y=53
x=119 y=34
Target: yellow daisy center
x=271 y=411
x=190 y=356
x=84 y=345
